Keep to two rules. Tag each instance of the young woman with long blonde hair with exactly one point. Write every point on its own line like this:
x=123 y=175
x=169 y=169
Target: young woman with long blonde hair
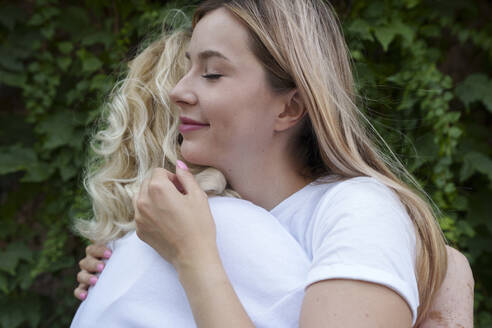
x=270 y=86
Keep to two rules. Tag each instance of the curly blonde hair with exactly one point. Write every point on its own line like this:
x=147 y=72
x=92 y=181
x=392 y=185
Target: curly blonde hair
x=138 y=131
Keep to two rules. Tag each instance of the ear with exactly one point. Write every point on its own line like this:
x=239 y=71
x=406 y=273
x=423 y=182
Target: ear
x=293 y=111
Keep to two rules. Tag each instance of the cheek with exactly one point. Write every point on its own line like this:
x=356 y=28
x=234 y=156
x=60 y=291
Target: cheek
x=241 y=133
x=240 y=106
x=239 y=114
x=237 y=120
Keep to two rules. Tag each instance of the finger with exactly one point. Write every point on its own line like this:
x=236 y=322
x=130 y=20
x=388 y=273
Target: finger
x=81 y=292
x=91 y=264
x=185 y=177
x=84 y=277
x=173 y=178
x=98 y=251
x=162 y=182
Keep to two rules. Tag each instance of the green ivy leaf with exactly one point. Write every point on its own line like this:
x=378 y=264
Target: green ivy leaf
x=465 y=228
x=65 y=165
x=38 y=172
x=99 y=37
x=411 y=3
x=461 y=203
x=476 y=87
x=13 y=79
x=387 y=33
x=476 y=162
x=58 y=129
x=12 y=255
x=361 y=28
x=91 y=64
x=65 y=47
x=19 y=309
x=48 y=31
x=102 y=83
x=16 y=158
x=426 y=149
x=64 y=62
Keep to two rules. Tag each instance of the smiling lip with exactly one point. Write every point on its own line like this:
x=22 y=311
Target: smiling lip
x=187 y=124
x=190 y=127
x=186 y=120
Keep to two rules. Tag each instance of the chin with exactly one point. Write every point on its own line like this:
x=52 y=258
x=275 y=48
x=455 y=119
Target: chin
x=193 y=155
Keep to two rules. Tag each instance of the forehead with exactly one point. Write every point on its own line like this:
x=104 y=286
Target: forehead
x=219 y=30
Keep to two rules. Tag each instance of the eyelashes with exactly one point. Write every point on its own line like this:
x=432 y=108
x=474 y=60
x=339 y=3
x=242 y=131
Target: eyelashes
x=211 y=76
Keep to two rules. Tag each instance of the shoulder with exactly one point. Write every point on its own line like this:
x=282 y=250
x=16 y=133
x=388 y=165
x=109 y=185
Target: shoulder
x=362 y=201
x=362 y=231
x=359 y=191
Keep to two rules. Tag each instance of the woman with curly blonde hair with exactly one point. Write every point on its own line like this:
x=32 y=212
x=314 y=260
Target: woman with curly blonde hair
x=264 y=110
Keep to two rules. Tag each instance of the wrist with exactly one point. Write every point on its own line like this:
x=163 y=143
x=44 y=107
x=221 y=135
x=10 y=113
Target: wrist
x=199 y=276
x=197 y=259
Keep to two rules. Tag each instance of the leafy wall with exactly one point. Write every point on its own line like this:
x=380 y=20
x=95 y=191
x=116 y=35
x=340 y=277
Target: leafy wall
x=424 y=77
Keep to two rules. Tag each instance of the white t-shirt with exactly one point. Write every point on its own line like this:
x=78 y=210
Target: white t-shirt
x=352 y=229
x=265 y=264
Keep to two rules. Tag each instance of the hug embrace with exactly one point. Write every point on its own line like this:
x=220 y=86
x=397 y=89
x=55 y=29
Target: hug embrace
x=236 y=183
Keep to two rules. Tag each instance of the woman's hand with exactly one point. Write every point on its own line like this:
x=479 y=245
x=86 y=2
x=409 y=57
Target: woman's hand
x=173 y=216
x=89 y=266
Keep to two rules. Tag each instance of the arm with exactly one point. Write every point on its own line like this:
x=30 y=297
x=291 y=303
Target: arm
x=213 y=301
x=172 y=215
x=363 y=271
x=351 y=303
x=453 y=305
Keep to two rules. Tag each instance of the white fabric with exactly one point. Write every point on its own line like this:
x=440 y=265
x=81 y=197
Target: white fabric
x=352 y=229
x=265 y=265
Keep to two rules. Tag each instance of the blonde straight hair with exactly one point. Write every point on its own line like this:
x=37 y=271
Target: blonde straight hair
x=300 y=45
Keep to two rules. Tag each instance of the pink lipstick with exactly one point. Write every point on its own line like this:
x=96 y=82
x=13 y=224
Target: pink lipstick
x=190 y=127
x=188 y=124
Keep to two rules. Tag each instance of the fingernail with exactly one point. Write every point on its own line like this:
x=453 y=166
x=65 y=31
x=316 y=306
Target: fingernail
x=182 y=165
x=93 y=280
x=83 y=295
x=100 y=267
x=107 y=254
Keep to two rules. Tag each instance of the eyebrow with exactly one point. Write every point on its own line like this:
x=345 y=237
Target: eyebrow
x=207 y=54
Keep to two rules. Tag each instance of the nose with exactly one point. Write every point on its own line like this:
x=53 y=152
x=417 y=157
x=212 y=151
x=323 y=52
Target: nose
x=182 y=93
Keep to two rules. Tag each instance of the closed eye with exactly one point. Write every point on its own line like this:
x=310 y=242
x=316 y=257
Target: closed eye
x=212 y=76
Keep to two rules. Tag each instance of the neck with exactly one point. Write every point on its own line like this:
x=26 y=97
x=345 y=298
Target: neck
x=265 y=182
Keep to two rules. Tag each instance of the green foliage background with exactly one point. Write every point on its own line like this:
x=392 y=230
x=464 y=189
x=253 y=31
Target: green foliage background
x=423 y=73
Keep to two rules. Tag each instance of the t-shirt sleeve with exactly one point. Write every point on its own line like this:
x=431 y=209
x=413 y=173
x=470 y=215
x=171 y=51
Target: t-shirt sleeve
x=362 y=231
